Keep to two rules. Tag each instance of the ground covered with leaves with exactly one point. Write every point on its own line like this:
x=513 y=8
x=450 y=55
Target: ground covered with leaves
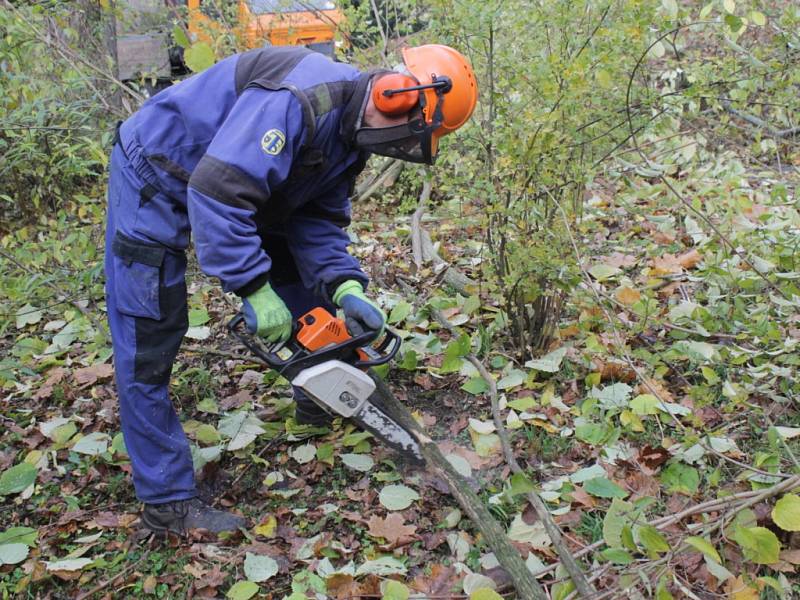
x=657 y=426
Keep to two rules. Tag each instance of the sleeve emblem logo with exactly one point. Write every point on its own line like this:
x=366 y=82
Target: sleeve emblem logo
x=273 y=141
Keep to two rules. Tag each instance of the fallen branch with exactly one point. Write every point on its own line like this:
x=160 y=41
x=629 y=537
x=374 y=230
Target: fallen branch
x=507 y=555
x=760 y=123
x=389 y=173
x=424 y=250
x=582 y=586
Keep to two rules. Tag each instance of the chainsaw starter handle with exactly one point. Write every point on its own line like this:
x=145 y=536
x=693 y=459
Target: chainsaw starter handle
x=302 y=358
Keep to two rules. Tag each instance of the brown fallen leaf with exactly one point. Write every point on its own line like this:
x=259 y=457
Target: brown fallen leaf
x=666 y=264
x=737 y=589
x=93 y=373
x=689 y=260
x=236 y=400
x=627 y=295
x=652 y=458
x=392 y=528
x=580 y=496
x=661 y=391
x=149 y=584
x=619 y=260
x=791 y=556
x=54 y=377
x=440 y=581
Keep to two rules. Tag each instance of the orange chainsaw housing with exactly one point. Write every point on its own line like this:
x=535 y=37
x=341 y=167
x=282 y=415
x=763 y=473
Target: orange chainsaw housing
x=318 y=329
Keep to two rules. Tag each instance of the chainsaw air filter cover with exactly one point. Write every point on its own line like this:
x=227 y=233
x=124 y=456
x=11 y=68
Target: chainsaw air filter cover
x=336 y=386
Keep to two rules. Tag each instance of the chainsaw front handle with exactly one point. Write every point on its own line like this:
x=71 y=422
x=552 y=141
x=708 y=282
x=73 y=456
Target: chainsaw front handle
x=301 y=358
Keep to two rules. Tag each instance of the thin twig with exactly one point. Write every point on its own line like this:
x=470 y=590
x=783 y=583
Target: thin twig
x=108 y=582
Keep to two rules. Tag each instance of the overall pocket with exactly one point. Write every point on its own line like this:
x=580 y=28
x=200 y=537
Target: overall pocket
x=137 y=276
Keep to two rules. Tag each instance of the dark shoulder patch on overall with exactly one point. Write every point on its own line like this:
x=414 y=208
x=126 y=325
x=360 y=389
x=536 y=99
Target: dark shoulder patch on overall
x=227 y=183
x=270 y=64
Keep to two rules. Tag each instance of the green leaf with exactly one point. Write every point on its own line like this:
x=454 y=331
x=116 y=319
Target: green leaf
x=198 y=316
x=703 y=546
x=476 y=385
x=613 y=396
x=451 y=364
x=19 y=535
x=28 y=315
x=382 y=567
x=207 y=434
x=523 y=404
x=394 y=590
x=304 y=454
x=485 y=594
x=259 y=568
x=12 y=554
x=208 y=405
x=243 y=590
x=401 y=310
x=471 y=304
x=734 y=23
x=603 y=487
x=520 y=484
x=652 y=540
x=758 y=544
x=409 y=361
x=514 y=378
x=68 y=564
x=17 y=478
x=645 y=404
x=729 y=5
x=618 y=556
x=681 y=478
x=758 y=18
x=325 y=453
x=549 y=363
x=591 y=433
x=179 y=35
x=198 y=58
x=786 y=513
x=358 y=462
x=397 y=497
x=602 y=272
x=355 y=438
x=118 y=445
x=93 y=444
x=616 y=517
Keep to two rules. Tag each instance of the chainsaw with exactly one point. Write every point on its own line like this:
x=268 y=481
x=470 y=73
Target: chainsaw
x=329 y=365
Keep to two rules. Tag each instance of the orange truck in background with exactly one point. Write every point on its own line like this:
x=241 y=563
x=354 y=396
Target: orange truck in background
x=143 y=46
x=310 y=23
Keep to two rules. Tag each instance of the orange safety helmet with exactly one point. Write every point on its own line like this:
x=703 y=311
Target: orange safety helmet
x=431 y=62
x=440 y=81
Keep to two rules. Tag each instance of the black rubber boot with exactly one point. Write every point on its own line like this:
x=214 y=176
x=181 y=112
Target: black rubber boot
x=181 y=516
x=307 y=412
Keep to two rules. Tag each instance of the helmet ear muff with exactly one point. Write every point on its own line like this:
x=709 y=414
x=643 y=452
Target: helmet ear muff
x=398 y=103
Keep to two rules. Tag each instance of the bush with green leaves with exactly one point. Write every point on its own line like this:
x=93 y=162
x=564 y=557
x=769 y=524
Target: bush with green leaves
x=57 y=122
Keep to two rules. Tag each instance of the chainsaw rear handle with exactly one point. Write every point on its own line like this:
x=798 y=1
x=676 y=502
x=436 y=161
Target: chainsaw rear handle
x=302 y=358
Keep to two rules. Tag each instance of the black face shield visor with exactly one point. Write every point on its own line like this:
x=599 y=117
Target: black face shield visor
x=410 y=141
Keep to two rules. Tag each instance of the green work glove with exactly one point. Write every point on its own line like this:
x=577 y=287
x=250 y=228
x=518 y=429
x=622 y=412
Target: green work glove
x=361 y=314
x=266 y=315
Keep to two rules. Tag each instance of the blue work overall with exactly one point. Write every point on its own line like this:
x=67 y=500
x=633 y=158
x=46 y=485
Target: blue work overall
x=252 y=158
